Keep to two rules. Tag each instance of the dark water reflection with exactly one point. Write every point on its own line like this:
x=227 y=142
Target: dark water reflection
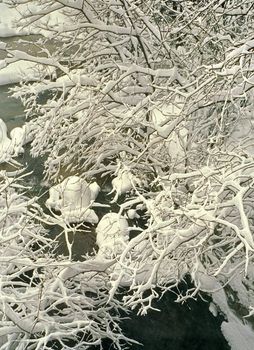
x=188 y=326
x=177 y=327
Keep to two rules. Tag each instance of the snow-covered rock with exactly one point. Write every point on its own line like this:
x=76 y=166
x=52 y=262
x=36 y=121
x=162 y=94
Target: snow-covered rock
x=175 y=140
x=94 y=190
x=112 y=235
x=132 y=214
x=239 y=334
x=11 y=147
x=18 y=139
x=123 y=182
x=163 y=115
x=73 y=197
x=18 y=71
x=10 y=16
x=5 y=142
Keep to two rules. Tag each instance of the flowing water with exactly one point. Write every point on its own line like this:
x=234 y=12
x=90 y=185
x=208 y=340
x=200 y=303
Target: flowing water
x=177 y=327
x=11 y=110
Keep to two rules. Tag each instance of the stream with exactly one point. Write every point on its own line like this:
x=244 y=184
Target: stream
x=177 y=327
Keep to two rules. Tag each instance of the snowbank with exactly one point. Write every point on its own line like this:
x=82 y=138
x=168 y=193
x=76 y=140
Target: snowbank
x=19 y=71
x=239 y=335
x=23 y=70
x=9 y=17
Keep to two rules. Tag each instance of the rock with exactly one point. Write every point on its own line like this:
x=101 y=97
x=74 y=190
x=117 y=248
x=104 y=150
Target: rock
x=73 y=197
x=112 y=235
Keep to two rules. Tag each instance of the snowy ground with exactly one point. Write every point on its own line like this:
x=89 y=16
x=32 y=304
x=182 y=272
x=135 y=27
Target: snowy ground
x=9 y=17
x=7 y=22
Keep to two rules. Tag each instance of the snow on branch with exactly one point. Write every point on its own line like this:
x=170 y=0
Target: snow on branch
x=154 y=102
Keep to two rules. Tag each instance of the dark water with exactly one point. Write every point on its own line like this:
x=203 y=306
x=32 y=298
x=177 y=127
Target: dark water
x=188 y=326
x=11 y=110
x=177 y=327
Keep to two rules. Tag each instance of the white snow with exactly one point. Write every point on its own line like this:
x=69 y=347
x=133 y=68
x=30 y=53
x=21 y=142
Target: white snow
x=20 y=136
x=22 y=70
x=18 y=71
x=112 y=235
x=242 y=135
x=123 y=182
x=12 y=147
x=164 y=114
x=73 y=198
x=5 y=143
x=9 y=16
x=175 y=140
x=239 y=335
x=132 y=214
